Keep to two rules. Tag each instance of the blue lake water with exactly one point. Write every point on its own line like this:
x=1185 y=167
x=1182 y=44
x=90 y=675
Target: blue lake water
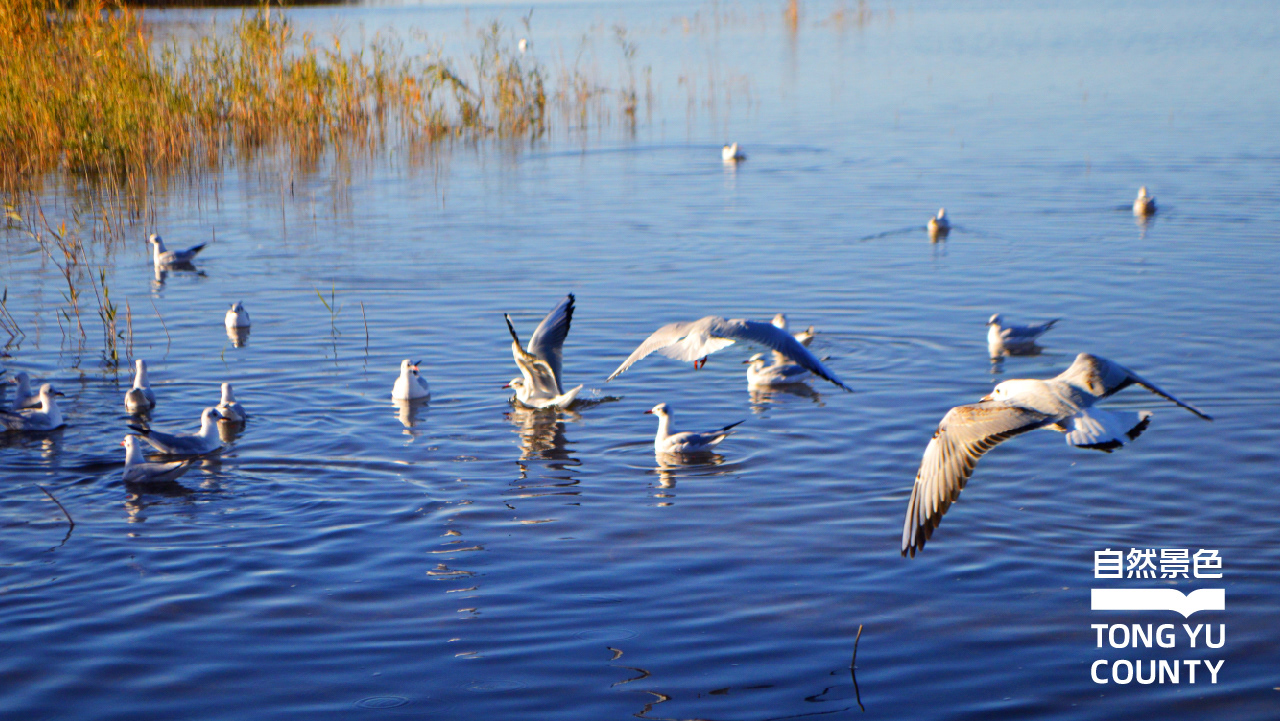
x=486 y=561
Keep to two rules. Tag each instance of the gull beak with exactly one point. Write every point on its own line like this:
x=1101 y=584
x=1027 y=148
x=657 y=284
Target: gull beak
x=648 y=412
x=507 y=385
x=415 y=364
x=59 y=393
x=987 y=397
x=746 y=362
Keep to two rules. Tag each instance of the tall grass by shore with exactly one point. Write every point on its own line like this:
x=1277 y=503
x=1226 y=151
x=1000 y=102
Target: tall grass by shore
x=85 y=90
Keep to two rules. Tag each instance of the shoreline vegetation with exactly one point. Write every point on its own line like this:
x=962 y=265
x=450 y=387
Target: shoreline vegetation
x=91 y=104
x=87 y=92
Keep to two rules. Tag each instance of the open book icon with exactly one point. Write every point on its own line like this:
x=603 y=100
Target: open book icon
x=1159 y=599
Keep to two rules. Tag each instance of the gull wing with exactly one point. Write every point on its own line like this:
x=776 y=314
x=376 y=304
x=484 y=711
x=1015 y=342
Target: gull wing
x=537 y=372
x=686 y=341
x=771 y=336
x=963 y=436
x=548 y=339
x=1016 y=333
x=1103 y=378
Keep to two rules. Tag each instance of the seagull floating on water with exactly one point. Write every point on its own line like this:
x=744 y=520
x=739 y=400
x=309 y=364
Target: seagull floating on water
x=541 y=385
x=939 y=225
x=731 y=154
x=761 y=374
x=200 y=443
x=1144 y=205
x=1064 y=403
x=140 y=397
x=228 y=408
x=137 y=470
x=410 y=386
x=668 y=441
x=693 y=341
x=162 y=258
x=1009 y=339
x=22 y=395
x=45 y=418
x=237 y=316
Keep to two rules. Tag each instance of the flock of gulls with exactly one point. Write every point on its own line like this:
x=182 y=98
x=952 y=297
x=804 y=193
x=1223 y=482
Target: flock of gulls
x=1066 y=403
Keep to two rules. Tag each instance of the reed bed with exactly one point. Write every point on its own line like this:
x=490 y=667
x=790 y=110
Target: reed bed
x=84 y=89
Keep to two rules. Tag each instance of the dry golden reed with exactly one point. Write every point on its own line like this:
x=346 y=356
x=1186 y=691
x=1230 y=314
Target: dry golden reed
x=83 y=89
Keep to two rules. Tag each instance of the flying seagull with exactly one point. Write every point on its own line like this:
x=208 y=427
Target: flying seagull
x=693 y=341
x=1064 y=403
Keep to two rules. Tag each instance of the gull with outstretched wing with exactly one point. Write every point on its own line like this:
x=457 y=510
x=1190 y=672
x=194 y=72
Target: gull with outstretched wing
x=1064 y=403
x=541 y=385
x=695 y=340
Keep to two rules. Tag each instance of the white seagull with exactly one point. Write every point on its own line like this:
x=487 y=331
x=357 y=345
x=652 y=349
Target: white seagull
x=228 y=408
x=731 y=154
x=541 y=385
x=939 y=225
x=162 y=258
x=137 y=470
x=693 y=341
x=22 y=395
x=237 y=316
x=775 y=374
x=140 y=397
x=200 y=443
x=668 y=441
x=1144 y=205
x=45 y=418
x=410 y=386
x=1009 y=339
x=1064 y=403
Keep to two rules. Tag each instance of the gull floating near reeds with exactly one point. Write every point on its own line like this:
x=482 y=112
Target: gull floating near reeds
x=140 y=398
x=731 y=154
x=45 y=418
x=1064 y=403
x=202 y=442
x=138 y=470
x=162 y=258
x=410 y=386
x=1009 y=339
x=541 y=385
x=668 y=441
x=695 y=340
x=22 y=395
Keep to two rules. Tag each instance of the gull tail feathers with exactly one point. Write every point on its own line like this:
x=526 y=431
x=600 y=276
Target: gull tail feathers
x=1103 y=430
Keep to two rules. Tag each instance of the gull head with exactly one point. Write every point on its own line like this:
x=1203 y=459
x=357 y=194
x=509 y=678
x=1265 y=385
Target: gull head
x=757 y=359
x=154 y=238
x=661 y=410
x=237 y=307
x=995 y=320
x=47 y=391
x=210 y=415
x=409 y=367
x=780 y=321
x=20 y=378
x=227 y=395
x=516 y=383
x=1008 y=390
x=1142 y=192
x=942 y=213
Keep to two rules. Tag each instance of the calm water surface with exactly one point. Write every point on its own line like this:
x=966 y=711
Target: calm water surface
x=485 y=562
